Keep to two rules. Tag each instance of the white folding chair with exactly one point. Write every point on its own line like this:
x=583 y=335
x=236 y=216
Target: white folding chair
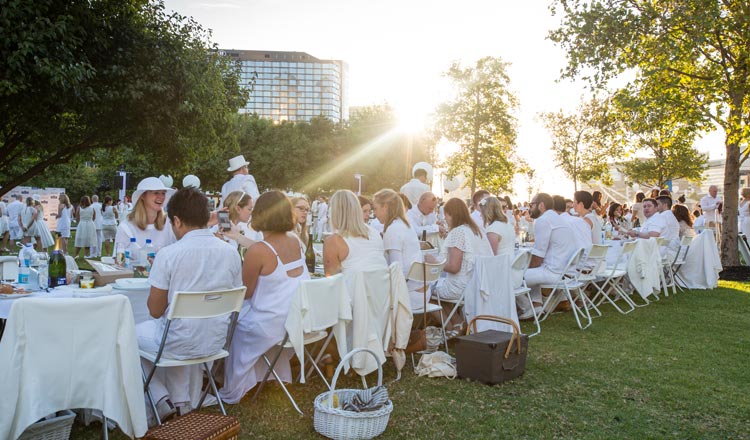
x=591 y=264
x=567 y=284
x=744 y=248
x=196 y=305
x=8 y=268
x=665 y=274
x=518 y=270
x=679 y=260
x=607 y=281
x=314 y=323
x=426 y=273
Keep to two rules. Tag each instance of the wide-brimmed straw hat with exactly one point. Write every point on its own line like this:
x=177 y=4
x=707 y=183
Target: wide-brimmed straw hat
x=237 y=162
x=151 y=184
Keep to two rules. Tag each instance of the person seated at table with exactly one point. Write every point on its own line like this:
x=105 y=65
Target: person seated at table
x=272 y=272
x=301 y=211
x=399 y=240
x=685 y=220
x=699 y=222
x=499 y=230
x=353 y=246
x=584 y=205
x=554 y=244
x=476 y=212
x=464 y=243
x=239 y=205
x=581 y=229
x=653 y=225
x=147 y=219
x=197 y=261
x=423 y=219
x=598 y=207
x=672 y=230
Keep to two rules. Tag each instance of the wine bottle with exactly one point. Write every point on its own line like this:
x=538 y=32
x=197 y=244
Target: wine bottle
x=57 y=266
x=310 y=254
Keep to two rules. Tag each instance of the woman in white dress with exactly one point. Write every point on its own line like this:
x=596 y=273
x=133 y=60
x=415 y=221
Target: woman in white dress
x=4 y=227
x=353 y=246
x=465 y=242
x=86 y=232
x=42 y=231
x=27 y=220
x=109 y=225
x=637 y=219
x=239 y=205
x=64 y=214
x=399 y=240
x=272 y=272
x=684 y=219
x=744 y=209
x=500 y=231
x=147 y=219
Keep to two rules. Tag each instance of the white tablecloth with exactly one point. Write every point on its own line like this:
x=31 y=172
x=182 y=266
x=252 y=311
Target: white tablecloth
x=643 y=266
x=702 y=264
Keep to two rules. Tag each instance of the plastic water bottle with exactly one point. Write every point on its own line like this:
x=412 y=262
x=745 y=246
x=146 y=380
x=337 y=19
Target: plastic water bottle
x=148 y=253
x=24 y=268
x=132 y=254
x=43 y=270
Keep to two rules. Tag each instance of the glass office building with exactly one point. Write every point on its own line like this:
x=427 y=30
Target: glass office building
x=293 y=86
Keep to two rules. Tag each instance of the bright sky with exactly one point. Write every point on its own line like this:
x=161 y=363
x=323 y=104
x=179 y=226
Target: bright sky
x=398 y=50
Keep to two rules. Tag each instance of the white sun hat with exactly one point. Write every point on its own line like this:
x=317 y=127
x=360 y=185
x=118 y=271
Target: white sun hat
x=166 y=180
x=237 y=162
x=191 y=180
x=422 y=166
x=151 y=184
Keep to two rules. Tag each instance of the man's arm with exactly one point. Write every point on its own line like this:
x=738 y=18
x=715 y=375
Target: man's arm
x=157 y=302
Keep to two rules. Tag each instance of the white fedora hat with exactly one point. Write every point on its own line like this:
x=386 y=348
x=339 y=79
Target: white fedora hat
x=191 y=180
x=151 y=184
x=237 y=162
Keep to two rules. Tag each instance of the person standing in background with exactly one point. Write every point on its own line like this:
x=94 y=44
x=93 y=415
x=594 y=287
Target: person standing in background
x=4 y=228
x=64 y=215
x=417 y=186
x=109 y=216
x=14 y=225
x=97 y=251
x=241 y=179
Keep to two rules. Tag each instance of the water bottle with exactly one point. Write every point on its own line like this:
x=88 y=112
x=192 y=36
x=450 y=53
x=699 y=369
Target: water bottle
x=24 y=267
x=120 y=255
x=148 y=253
x=132 y=254
x=43 y=270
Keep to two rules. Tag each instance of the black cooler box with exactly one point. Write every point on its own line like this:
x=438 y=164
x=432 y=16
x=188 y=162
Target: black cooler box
x=491 y=356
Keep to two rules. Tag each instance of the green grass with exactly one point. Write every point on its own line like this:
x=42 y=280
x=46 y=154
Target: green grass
x=675 y=369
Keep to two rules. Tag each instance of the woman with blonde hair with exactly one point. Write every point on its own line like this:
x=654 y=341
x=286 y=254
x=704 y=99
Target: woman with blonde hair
x=399 y=240
x=353 y=246
x=64 y=214
x=301 y=209
x=500 y=232
x=147 y=219
x=239 y=205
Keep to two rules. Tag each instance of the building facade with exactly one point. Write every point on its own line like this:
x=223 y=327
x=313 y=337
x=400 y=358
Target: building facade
x=293 y=86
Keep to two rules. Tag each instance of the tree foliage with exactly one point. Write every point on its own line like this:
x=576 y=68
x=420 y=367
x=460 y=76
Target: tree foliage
x=108 y=74
x=480 y=120
x=697 y=49
x=583 y=142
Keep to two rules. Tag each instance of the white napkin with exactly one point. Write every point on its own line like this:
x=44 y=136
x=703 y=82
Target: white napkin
x=132 y=283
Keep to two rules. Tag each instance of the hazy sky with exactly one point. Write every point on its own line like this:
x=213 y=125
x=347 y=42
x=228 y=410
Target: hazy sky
x=397 y=51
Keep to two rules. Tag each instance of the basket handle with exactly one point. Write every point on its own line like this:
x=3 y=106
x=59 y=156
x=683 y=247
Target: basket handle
x=343 y=362
x=516 y=333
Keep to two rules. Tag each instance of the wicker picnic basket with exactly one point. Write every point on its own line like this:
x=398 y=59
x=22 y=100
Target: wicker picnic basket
x=337 y=423
x=57 y=428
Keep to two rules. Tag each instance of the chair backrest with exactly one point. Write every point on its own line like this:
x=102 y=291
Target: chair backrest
x=320 y=295
x=8 y=268
x=198 y=305
x=430 y=273
x=596 y=258
x=518 y=268
x=662 y=241
x=573 y=262
x=744 y=249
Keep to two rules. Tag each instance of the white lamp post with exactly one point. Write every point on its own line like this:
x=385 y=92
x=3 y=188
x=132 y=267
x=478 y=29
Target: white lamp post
x=359 y=183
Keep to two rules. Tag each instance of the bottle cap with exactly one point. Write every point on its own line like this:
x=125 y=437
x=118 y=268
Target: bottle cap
x=148 y=241
x=132 y=239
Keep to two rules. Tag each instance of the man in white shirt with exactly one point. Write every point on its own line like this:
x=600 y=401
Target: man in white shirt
x=241 y=179
x=672 y=226
x=198 y=261
x=322 y=218
x=653 y=225
x=553 y=246
x=14 y=210
x=96 y=251
x=709 y=204
x=417 y=186
x=423 y=220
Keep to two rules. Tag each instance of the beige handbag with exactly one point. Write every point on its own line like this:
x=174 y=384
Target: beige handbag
x=438 y=364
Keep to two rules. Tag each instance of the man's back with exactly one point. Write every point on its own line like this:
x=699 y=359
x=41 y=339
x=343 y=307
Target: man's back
x=554 y=241
x=581 y=230
x=413 y=190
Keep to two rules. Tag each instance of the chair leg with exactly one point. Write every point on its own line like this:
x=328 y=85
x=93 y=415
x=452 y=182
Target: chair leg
x=149 y=395
x=105 y=431
x=315 y=366
x=536 y=318
x=283 y=387
x=213 y=387
x=320 y=354
x=575 y=308
x=270 y=369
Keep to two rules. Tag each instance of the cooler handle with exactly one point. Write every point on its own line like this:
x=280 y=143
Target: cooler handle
x=516 y=333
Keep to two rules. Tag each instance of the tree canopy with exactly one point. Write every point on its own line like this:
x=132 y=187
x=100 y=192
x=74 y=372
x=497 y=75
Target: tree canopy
x=480 y=120
x=697 y=49
x=107 y=74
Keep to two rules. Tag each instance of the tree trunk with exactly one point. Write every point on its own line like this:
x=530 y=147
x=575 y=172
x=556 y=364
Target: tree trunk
x=729 y=252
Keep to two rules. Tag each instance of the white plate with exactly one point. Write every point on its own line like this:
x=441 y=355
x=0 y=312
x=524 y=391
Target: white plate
x=14 y=295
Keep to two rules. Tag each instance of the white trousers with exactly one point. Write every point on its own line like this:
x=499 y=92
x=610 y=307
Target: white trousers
x=176 y=379
x=535 y=277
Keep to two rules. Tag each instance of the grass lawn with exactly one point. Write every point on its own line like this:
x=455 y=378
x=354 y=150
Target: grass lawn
x=675 y=369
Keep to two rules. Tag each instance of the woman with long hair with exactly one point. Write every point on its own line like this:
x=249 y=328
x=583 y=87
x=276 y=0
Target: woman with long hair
x=500 y=232
x=272 y=272
x=352 y=246
x=301 y=209
x=42 y=231
x=147 y=219
x=598 y=206
x=399 y=240
x=635 y=220
x=684 y=219
x=109 y=224
x=239 y=205
x=86 y=231
x=64 y=215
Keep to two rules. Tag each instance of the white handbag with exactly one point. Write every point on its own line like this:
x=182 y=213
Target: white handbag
x=437 y=364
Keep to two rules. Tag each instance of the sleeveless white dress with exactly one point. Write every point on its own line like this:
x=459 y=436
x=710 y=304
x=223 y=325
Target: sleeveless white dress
x=364 y=253
x=63 y=222
x=27 y=214
x=260 y=327
x=3 y=219
x=745 y=218
x=42 y=231
x=86 y=232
